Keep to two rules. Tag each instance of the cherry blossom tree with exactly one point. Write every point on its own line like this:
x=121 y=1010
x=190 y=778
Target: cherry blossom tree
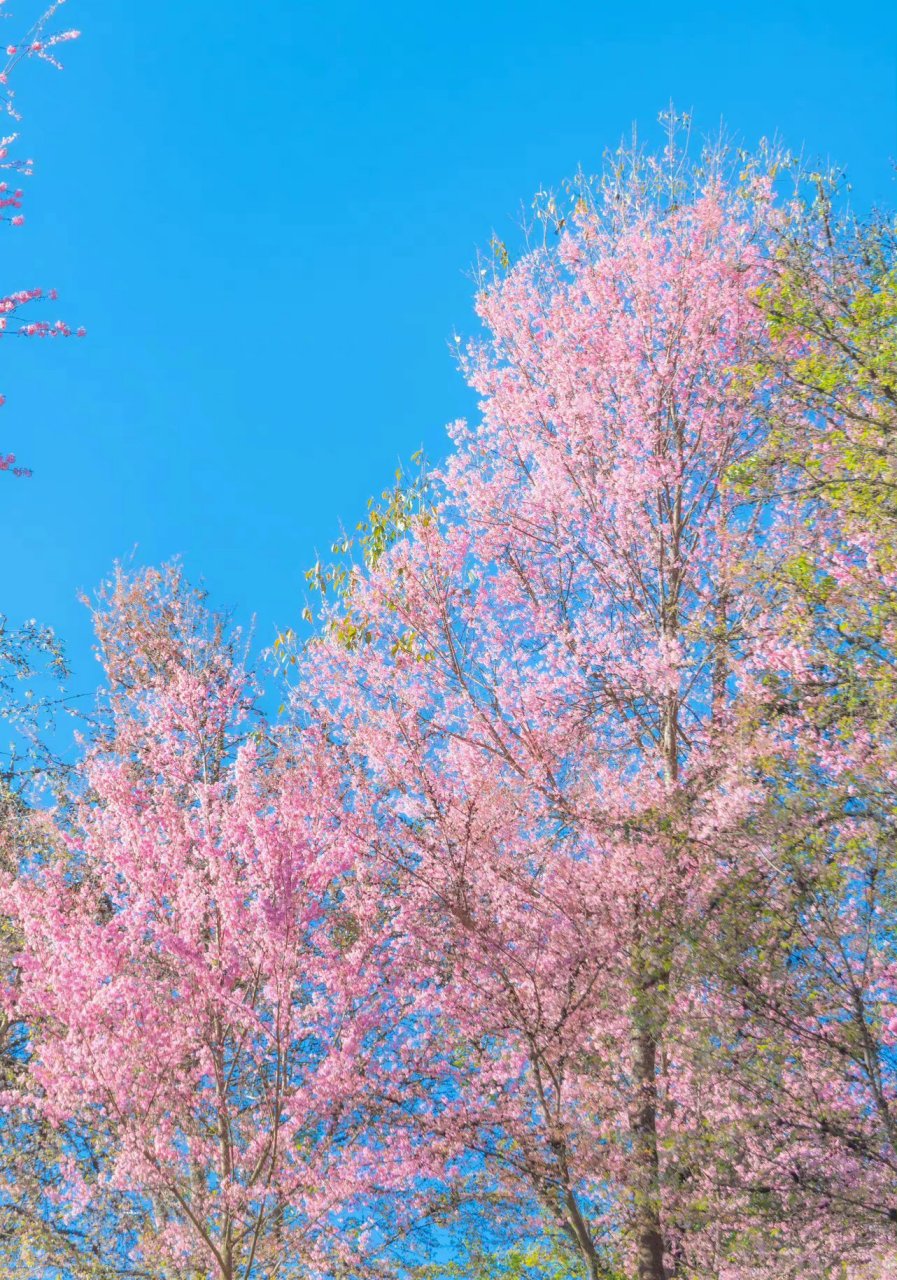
x=534 y=686
x=42 y=42
x=197 y=975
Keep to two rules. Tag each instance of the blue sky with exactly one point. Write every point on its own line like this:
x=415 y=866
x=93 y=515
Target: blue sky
x=266 y=214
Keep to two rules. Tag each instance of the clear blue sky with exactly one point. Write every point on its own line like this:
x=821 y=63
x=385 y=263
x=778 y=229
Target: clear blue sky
x=265 y=215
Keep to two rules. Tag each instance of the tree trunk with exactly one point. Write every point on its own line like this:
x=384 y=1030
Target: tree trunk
x=646 y=1183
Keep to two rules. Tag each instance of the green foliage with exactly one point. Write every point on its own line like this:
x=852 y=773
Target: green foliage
x=832 y=321
x=539 y=1260
x=397 y=512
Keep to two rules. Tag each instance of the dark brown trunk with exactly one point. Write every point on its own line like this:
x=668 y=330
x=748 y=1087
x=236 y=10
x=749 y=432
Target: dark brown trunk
x=646 y=1183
